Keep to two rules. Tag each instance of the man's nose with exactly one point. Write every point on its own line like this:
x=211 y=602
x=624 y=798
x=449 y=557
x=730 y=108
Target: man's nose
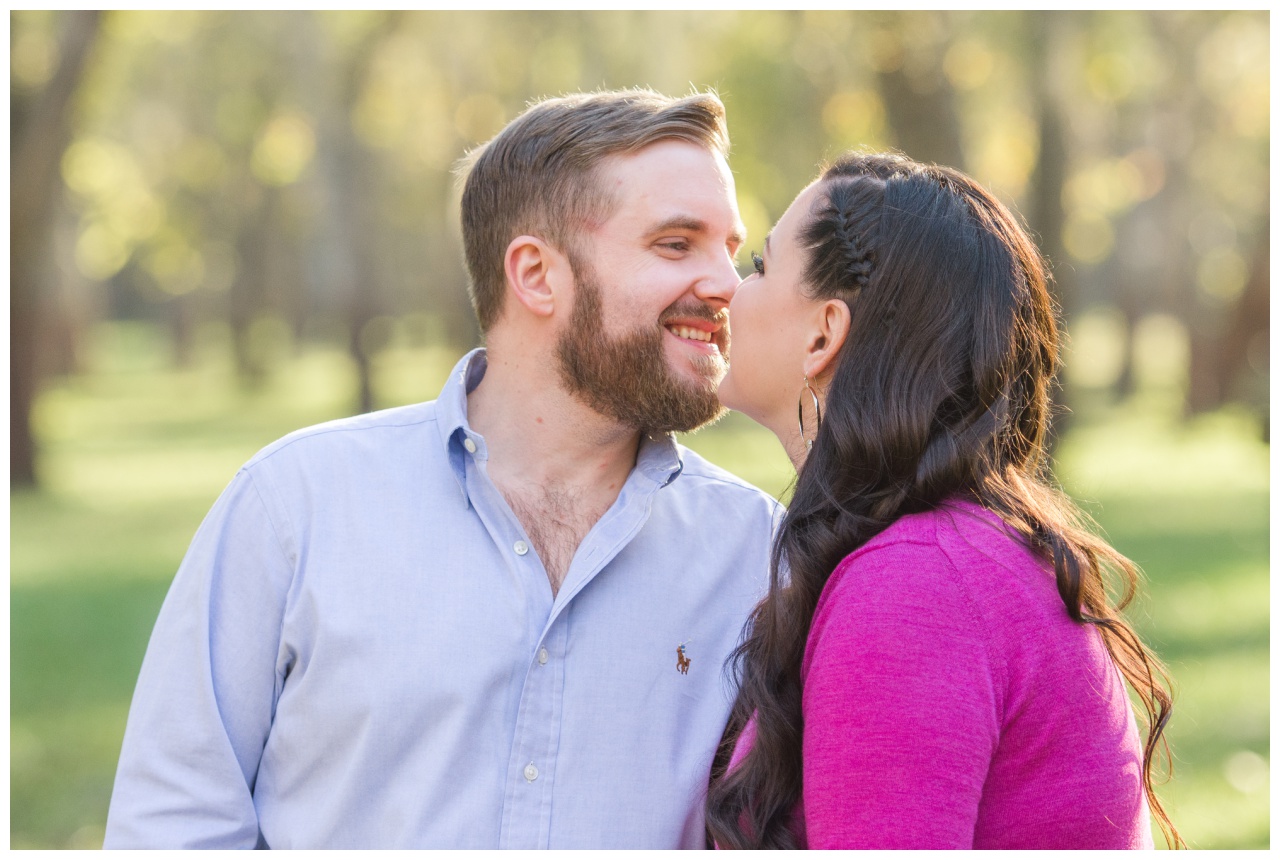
x=718 y=285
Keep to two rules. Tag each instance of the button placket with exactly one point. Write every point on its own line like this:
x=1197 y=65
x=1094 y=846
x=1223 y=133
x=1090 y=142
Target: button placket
x=526 y=821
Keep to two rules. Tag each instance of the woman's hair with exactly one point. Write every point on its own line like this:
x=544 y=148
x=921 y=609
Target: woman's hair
x=942 y=389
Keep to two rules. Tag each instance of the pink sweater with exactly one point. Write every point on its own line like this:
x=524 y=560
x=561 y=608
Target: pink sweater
x=950 y=702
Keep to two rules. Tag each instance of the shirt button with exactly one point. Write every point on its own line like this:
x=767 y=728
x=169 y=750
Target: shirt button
x=530 y=772
x=543 y=656
x=521 y=547
x=469 y=445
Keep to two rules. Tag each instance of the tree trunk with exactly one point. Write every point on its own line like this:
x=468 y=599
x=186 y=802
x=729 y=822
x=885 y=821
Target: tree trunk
x=1045 y=210
x=357 y=187
x=1248 y=329
x=38 y=136
x=1251 y=316
x=920 y=105
x=246 y=298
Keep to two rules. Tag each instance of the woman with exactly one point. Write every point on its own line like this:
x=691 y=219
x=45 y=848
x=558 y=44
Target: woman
x=936 y=662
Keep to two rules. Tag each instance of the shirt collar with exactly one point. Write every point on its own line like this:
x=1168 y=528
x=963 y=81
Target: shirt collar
x=658 y=458
x=451 y=414
x=451 y=406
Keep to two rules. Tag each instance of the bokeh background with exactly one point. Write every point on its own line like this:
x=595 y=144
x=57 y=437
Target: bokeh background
x=227 y=225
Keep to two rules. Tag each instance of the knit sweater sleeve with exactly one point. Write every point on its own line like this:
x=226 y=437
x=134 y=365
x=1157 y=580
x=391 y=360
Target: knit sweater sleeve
x=901 y=705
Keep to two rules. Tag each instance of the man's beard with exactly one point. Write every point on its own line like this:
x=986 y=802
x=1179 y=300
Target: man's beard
x=627 y=377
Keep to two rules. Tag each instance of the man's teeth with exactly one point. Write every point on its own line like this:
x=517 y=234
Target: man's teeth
x=690 y=333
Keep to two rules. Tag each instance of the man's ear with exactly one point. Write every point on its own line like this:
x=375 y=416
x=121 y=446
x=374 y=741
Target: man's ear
x=830 y=328
x=536 y=273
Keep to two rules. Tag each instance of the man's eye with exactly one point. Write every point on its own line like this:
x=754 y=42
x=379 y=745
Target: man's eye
x=678 y=245
x=758 y=262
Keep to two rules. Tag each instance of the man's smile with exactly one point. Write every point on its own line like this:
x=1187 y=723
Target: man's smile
x=705 y=332
x=690 y=333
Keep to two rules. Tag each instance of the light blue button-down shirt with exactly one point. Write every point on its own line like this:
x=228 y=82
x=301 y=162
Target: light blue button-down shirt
x=361 y=649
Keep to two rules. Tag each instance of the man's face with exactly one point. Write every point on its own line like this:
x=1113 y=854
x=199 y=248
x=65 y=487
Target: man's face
x=648 y=339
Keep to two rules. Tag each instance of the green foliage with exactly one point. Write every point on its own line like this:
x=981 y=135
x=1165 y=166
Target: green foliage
x=196 y=129
x=134 y=460
x=1189 y=503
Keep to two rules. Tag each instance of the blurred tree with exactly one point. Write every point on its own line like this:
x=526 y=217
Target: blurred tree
x=287 y=176
x=40 y=126
x=355 y=186
x=908 y=52
x=1171 y=207
x=271 y=142
x=1243 y=353
x=1045 y=37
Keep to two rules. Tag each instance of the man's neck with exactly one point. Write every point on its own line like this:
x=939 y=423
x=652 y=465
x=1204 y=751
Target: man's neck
x=559 y=464
x=537 y=434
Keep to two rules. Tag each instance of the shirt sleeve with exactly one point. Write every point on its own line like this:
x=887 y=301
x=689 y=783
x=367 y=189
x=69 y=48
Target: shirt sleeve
x=900 y=710
x=205 y=697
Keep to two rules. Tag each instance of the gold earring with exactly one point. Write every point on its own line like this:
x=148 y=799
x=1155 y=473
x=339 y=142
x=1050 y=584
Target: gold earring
x=817 y=414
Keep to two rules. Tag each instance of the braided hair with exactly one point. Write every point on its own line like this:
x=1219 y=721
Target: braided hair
x=843 y=241
x=941 y=389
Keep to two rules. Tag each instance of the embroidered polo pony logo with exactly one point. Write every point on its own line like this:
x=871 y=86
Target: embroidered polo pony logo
x=682 y=660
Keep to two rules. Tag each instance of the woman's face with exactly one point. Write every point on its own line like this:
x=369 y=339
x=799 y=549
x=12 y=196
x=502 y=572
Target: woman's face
x=770 y=319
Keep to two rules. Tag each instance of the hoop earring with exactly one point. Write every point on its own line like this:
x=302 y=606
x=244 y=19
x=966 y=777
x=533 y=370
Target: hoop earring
x=817 y=414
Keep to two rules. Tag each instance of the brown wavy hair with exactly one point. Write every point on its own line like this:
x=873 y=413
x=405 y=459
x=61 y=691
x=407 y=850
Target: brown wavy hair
x=942 y=389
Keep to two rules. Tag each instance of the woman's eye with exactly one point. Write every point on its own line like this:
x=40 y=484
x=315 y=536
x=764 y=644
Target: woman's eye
x=758 y=262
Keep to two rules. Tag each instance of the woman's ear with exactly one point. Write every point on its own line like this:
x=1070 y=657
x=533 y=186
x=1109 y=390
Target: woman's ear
x=831 y=327
x=534 y=273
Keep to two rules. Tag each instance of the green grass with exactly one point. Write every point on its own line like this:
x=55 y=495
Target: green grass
x=1190 y=504
x=135 y=453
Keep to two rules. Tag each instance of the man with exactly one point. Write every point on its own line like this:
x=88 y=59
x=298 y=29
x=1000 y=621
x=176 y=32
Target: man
x=498 y=619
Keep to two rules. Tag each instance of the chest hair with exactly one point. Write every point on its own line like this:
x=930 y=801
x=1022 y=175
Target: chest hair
x=556 y=519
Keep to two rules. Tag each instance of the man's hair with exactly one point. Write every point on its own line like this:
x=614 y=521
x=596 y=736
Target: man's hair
x=538 y=175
